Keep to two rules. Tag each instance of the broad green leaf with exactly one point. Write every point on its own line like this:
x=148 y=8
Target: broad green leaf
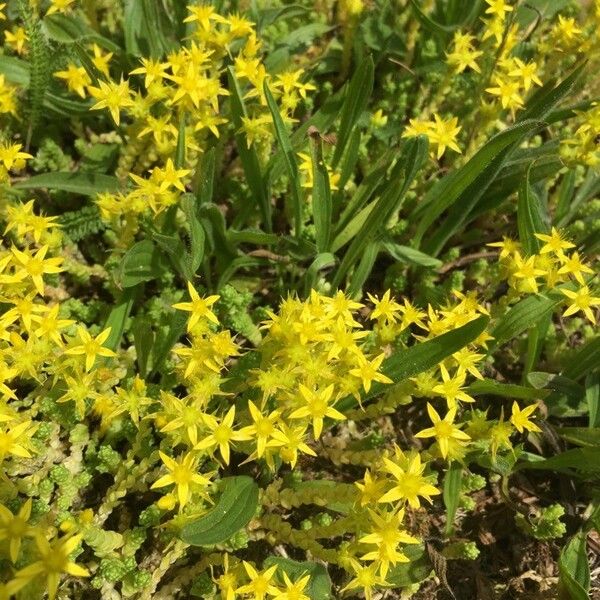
x=522 y=316
x=356 y=99
x=488 y=387
x=232 y=512
x=574 y=569
x=140 y=263
x=405 y=575
x=290 y=160
x=580 y=436
x=15 y=70
x=347 y=165
x=409 y=163
x=175 y=249
x=321 y=196
x=118 y=317
x=319 y=584
x=248 y=156
x=451 y=493
x=84 y=183
x=531 y=217
x=409 y=255
x=540 y=105
x=467 y=184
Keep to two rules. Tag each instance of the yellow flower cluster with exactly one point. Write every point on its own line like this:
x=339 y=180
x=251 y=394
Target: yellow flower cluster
x=582 y=146
x=553 y=267
x=187 y=88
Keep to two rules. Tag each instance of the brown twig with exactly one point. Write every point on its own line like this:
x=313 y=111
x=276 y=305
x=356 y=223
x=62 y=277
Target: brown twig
x=465 y=260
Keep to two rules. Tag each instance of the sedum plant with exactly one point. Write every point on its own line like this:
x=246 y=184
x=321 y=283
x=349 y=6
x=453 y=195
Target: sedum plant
x=277 y=321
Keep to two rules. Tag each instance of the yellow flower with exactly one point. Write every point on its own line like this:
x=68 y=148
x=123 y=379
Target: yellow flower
x=582 y=300
x=508 y=91
x=365 y=579
x=368 y=371
x=222 y=434
x=260 y=582
x=410 y=483
x=15 y=527
x=521 y=418
x=153 y=70
x=317 y=408
x=451 y=388
x=294 y=590
x=54 y=561
x=16 y=39
x=101 y=59
x=264 y=429
x=554 y=242
x=385 y=309
x=443 y=429
x=463 y=53
x=527 y=72
x=35 y=266
x=528 y=272
x=91 y=347
x=199 y=307
x=508 y=247
x=113 y=96
x=183 y=475
x=386 y=534
x=573 y=265
x=497 y=7
x=59 y=6
x=76 y=77
x=443 y=134
x=12 y=157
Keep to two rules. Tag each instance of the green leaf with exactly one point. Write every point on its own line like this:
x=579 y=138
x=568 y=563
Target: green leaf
x=363 y=269
x=584 y=361
x=461 y=190
x=488 y=387
x=143 y=340
x=531 y=217
x=140 y=263
x=170 y=329
x=180 y=149
x=195 y=252
x=248 y=156
x=356 y=99
x=117 y=318
x=290 y=160
x=321 y=196
x=406 y=254
x=68 y=29
x=428 y=22
x=319 y=584
x=145 y=25
x=408 y=362
x=233 y=511
x=584 y=460
x=592 y=396
x=557 y=383
x=451 y=493
x=580 y=436
x=408 y=165
x=84 y=183
x=574 y=569
x=522 y=316
x=321 y=261
x=541 y=103
x=15 y=70
x=206 y=177
x=405 y=575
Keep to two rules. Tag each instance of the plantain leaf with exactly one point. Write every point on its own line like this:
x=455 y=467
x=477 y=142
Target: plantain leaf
x=233 y=511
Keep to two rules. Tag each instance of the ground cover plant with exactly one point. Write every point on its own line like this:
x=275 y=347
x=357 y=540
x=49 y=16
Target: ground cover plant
x=298 y=299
